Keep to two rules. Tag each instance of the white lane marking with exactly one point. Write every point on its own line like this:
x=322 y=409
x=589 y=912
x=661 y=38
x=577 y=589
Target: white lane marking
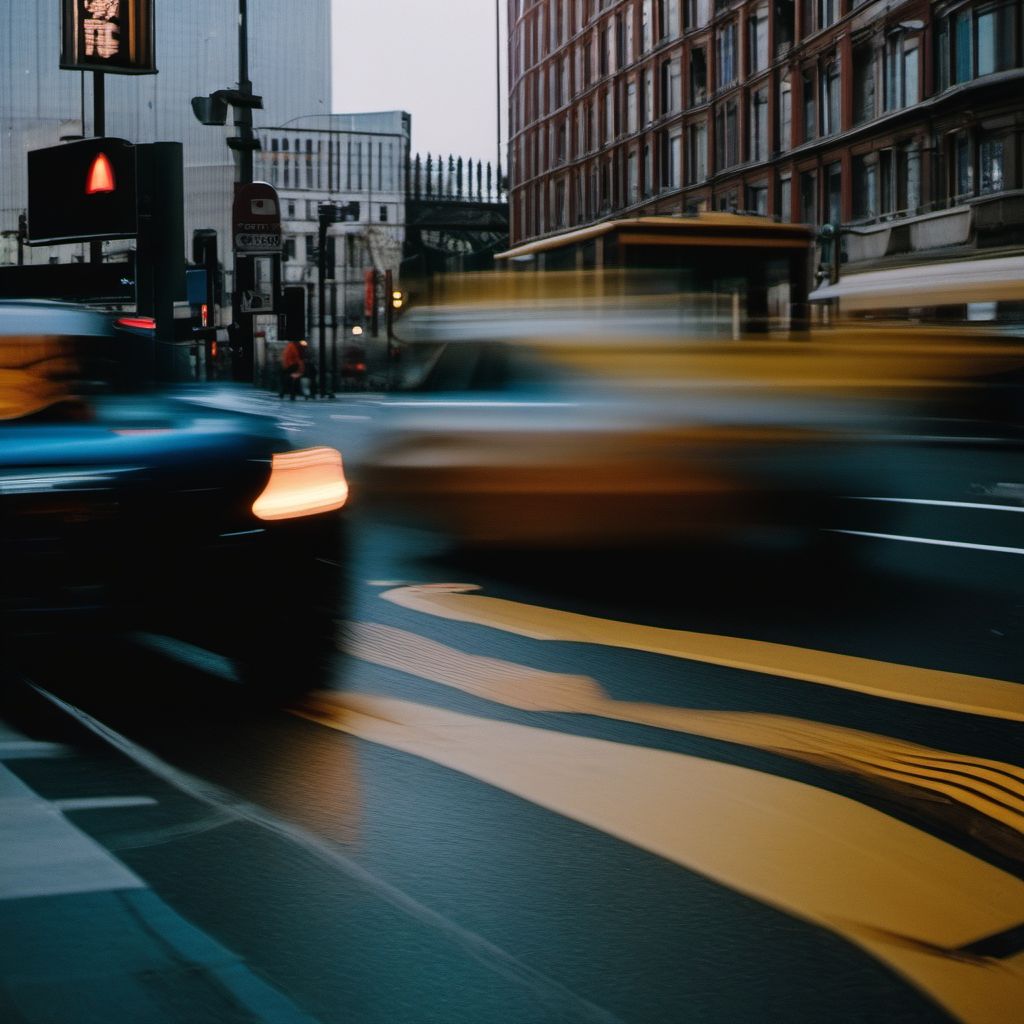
x=101 y=803
x=998 y=549
x=341 y=416
x=43 y=854
x=946 y=504
x=562 y=1002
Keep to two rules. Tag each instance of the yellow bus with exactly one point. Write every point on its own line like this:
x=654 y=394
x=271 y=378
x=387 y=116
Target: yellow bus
x=748 y=273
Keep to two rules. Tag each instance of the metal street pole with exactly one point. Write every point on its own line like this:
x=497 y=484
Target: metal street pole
x=99 y=129
x=325 y=212
x=244 y=144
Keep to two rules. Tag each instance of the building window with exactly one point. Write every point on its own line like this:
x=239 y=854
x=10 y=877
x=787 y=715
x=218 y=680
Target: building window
x=785 y=115
x=785 y=199
x=757 y=40
x=671 y=85
x=834 y=193
x=698 y=13
x=758 y=126
x=991 y=164
x=865 y=187
x=863 y=84
x=383 y=214
x=963 y=51
x=909 y=178
x=996 y=31
x=669 y=28
x=828 y=11
x=785 y=14
x=698 y=77
x=291 y=210
x=726 y=54
x=726 y=135
x=647 y=83
x=631 y=112
x=757 y=199
x=962 y=166
x=671 y=147
x=901 y=72
x=646 y=25
x=632 y=183
x=696 y=153
x=560 y=207
x=830 y=97
x=808 y=198
x=810 y=107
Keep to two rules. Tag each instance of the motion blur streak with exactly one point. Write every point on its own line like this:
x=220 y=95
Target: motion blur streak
x=975 y=695
x=303 y=483
x=876 y=881
x=989 y=788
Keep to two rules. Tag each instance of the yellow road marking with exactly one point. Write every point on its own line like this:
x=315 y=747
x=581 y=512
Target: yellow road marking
x=991 y=788
x=976 y=695
x=904 y=896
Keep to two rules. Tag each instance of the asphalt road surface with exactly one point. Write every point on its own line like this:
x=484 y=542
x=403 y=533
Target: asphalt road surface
x=719 y=788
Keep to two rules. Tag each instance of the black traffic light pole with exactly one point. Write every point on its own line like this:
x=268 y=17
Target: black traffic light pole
x=243 y=362
x=99 y=129
x=328 y=214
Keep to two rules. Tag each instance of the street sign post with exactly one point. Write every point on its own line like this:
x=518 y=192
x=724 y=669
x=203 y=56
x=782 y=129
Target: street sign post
x=256 y=219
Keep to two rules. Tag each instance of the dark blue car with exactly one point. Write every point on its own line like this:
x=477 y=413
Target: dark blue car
x=128 y=506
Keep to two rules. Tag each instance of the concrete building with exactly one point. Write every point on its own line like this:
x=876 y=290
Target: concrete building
x=901 y=121
x=339 y=158
x=196 y=53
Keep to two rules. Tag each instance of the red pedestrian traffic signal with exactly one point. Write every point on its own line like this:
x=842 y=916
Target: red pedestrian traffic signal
x=101 y=176
x=81 y=191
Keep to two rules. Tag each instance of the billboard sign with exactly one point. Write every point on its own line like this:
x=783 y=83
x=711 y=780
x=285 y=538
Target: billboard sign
x=115 y=36
x=82 y=190
x=256 y=219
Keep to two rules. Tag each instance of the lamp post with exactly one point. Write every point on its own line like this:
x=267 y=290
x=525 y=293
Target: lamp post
x=212 y=110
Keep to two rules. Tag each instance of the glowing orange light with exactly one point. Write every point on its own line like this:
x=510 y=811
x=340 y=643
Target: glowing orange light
x=204 y=315
x=213 y=350
x=303 y=483
x=101 y=176
x=145 y=323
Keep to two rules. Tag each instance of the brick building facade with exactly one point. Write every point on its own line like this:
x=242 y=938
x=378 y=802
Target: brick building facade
x=901 y=121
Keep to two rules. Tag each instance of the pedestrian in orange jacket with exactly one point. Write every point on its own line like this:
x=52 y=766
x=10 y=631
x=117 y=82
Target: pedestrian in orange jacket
x=292 y=369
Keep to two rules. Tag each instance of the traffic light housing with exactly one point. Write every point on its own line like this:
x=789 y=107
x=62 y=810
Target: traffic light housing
x=293 y=318
x=82 y=190
x=204 y=254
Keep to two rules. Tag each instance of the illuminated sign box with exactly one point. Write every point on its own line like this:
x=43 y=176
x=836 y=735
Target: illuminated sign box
x=115 y=36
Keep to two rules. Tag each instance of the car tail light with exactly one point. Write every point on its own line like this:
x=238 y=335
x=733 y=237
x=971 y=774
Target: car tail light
x=303 y=483
x=138 y=323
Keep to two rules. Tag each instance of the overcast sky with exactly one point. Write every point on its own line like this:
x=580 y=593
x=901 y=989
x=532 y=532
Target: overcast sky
x=435 y=60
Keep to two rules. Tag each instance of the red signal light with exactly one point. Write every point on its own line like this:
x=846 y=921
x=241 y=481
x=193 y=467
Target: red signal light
x=213 y=349
x=142 y=323
x=204 y=315
x=101 y=176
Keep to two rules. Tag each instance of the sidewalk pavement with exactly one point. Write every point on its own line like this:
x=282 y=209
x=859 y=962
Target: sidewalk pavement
x=83 y=939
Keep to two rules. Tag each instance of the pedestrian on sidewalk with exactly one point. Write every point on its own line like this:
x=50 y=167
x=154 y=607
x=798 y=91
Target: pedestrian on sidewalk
x=292 y=369
x=309 y=376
